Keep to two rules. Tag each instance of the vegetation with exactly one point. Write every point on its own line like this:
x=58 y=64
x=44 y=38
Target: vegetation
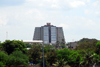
x=86 y=43
x=34 y=53
x=14 y=53
x=10 y=46
x=17 y=58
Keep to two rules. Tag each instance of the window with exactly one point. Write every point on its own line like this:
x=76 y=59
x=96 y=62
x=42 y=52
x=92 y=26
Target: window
x=53 y=41
x=46 y=42
x=46 y=32
x=46 y=38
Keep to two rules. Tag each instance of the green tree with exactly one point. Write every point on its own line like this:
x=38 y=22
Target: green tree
x=1 y=64
x=3 y=57
x=48 y=48
x=61 y=63
x=86 y=43
x=90 y=58
x=17 y=58
x=63 y=53
x=57 y=44
x=98 y=48
x=51 y=57
x=34 y=53
x=28 y=45
x=74 y=59
x=10 y=46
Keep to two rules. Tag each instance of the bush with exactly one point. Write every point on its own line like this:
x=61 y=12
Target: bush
x=1 y=64
x=17 y=58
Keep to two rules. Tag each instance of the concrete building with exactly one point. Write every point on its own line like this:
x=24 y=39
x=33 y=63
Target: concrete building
x=49 y=34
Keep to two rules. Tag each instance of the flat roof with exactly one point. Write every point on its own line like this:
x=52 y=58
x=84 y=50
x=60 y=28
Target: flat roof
x=32 y=41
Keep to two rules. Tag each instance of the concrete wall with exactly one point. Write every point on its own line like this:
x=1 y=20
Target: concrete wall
x=37 y=35
x=60 y=34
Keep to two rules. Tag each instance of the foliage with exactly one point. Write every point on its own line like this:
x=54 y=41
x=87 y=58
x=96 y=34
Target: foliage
x=1 y=64
x=90 y=58
x=74 y=58
x=98 y=48
x=34 y=53
x=28 y=45
x=63 y=45
x=17 y=58
x=86 y=43
x=10 y=46
x=3 y=57
x=63 y=53
x=63 y=42
x=61 y=63
x=46 y=62
x=57 y=44
x=51 y=57
x=48 y=48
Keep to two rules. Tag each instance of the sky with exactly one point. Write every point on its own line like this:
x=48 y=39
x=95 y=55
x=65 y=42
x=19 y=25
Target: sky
x=79 y=18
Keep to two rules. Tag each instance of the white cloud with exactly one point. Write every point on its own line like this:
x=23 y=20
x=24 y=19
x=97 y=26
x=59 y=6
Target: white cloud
x=96 y=3
x=20 y=21
x=76 y=4
x=97 y=12
x=65 y=26
x=87 y=11
x=88 y=0
x=3 y=20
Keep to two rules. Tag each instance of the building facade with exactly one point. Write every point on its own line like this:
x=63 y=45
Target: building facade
x=49 y=34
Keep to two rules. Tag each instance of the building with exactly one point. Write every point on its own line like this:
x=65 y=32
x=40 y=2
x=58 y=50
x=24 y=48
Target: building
x=33 y=41
x=49 y=34
x=72 y=45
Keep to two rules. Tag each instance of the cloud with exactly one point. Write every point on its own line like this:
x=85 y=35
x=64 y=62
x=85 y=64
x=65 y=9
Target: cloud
x=95 y=3
x=87 y=11
x=88 y=0
x=21 y=20
x=11 y=2
x=76 y=4
x=65 y=26
x=3 y=20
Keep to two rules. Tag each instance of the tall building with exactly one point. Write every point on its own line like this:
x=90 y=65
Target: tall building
x=49 y=34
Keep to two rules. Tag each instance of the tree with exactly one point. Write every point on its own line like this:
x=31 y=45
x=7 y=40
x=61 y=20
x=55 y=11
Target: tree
x=85 y=44
x=1 y=64
x=74 y=59
x=63 y=42
x=34 y=53
x=98 y=48
x=57 y=44
x=10 y=46
x=1 y=46
x=3 y=57
x=63 y=53
x=61 y=63
x=48 y=48
x=17 y=58
x=90 y=58
x=51 y=57
x=28 y=45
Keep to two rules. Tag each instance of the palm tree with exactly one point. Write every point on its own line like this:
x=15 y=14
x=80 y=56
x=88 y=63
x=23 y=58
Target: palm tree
x=90 y=58
x=57 y=44
x=61 y=63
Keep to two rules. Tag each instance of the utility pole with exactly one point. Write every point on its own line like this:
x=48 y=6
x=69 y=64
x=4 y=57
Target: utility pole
x=43 y=56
